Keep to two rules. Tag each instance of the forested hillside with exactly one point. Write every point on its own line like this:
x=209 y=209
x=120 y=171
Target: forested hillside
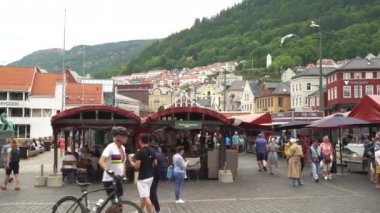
x=99 y=59
x=254 y=28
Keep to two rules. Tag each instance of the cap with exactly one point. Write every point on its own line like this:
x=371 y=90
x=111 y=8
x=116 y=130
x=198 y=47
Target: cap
x=292 y=140
x=119 y=130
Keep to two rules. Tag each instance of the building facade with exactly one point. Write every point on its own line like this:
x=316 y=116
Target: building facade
x=304 y=84
x=273 y=100
x=347 y=85
x=159 y=97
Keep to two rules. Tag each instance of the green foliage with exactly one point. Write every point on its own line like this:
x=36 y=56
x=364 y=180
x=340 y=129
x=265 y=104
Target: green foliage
x=103 y=60
x=253 y=29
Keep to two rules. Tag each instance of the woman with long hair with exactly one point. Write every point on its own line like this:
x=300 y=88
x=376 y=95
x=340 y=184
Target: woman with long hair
x=12 y=165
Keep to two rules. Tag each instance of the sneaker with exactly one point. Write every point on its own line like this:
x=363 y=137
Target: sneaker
x=179 y=201
x=325 y=177
x=317 y=180
x=17 y=188
x=330 y=177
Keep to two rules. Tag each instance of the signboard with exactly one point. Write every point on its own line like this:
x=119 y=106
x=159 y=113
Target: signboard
x=188 y=125
x=12 y=104
x=289 y=116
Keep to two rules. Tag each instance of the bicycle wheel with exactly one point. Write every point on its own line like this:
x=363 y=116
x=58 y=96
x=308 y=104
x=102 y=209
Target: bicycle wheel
x=69 y=204
x=124 y=206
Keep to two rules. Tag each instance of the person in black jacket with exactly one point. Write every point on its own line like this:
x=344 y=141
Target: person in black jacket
x=159 y=169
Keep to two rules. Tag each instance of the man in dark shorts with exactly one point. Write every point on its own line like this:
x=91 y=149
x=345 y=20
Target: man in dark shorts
x=261 y=150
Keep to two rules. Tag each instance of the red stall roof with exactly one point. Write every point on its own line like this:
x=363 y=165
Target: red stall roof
x=68 y=114
x=367 y=109
x=253 y=119
x=175 y=110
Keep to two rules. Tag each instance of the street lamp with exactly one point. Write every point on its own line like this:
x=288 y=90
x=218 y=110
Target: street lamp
x=314 y=25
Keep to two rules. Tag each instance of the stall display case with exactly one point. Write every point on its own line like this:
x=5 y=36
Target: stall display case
x=352 y=157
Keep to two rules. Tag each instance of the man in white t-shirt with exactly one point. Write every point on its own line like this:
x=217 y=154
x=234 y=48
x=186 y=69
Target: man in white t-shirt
x=113 y=157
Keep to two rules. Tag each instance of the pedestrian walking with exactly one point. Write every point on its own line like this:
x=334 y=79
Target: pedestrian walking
x=113 y=157
x=158 y=171
x=235 y=141
x=179 y=173
x=144 y=161
x=326 y=153
x=228 y=142
x=261 y=151
x=3 y=154
x=272 y=156
x=62 y=145
x=294 y=165
x=12 y=165
x=315 y=156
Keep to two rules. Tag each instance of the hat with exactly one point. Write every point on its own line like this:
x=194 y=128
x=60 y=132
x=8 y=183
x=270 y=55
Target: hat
x=292 y=140
x=119 y=130
x=260 y=135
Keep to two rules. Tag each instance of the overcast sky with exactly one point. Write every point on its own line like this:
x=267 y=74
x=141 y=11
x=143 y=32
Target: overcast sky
x=30 y=25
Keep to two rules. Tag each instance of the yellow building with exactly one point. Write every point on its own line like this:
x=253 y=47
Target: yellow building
x=275 y=98
x=160 y=96
x=212 y=92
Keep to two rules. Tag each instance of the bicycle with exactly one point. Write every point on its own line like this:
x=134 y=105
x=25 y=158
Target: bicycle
x=71 y=204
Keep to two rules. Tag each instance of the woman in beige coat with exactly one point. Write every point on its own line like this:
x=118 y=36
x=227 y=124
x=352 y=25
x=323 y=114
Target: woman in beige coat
x=294 y=166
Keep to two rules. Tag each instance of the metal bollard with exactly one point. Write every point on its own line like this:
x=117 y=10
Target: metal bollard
x=42 y=170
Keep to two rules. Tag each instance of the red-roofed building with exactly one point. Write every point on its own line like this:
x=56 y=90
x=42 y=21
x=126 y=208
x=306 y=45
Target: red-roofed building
x=30 y=97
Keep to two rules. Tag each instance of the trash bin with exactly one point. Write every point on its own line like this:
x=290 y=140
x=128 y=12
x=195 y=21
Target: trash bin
x=47 y=145
x=23 y=152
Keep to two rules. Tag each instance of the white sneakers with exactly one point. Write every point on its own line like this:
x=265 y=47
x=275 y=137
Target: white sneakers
x=179 y=201
x=328 y=177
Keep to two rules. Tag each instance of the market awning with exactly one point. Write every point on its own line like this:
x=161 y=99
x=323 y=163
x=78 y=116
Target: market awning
x=182 y=114
x=293 y=125
x=367 y=109
x=251 y=119
x=94 y=116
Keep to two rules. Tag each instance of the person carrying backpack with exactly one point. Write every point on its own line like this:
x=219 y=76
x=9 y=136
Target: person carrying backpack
x=12 y=165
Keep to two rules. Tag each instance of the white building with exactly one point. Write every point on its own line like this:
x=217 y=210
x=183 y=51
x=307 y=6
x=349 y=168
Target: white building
x=30 y=98
x=251 y=90
x=304 y=84
x=287 y=75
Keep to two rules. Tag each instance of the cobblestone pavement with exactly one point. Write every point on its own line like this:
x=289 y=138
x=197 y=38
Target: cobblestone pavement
x=251 y=192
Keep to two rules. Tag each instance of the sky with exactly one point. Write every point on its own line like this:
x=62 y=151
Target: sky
x=30 y=25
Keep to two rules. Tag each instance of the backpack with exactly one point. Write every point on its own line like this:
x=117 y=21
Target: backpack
x=15 y=155
x=170 y=172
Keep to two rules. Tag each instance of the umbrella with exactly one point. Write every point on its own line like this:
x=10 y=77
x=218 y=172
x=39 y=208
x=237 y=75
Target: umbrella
x=293 y=125
x=338 y=121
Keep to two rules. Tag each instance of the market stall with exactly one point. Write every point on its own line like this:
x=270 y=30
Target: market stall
x=198 y=129
x=89 y=126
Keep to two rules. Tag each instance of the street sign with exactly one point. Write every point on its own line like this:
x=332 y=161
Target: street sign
x=188 y=125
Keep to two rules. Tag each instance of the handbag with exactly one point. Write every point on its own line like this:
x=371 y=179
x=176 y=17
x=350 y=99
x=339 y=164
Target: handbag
x=327 y=159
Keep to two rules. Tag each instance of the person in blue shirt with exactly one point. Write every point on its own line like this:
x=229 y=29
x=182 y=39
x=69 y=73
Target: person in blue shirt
x=261 y=151
x=228 y=142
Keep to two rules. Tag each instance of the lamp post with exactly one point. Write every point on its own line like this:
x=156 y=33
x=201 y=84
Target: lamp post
x=314 y=25
x=225 y=90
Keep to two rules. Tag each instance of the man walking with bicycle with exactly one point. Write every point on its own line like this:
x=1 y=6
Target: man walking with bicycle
x=113 y=157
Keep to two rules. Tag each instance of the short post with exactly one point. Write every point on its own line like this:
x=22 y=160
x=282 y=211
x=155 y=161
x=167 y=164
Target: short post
x=41 y=180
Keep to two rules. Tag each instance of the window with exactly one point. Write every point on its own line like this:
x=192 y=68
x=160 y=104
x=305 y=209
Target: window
x=280 y=102
x=3 y=95
x=36 y=113
x=358 y=75
x=346 y=75
x=300 y=87
x=22 y=131
x=292 y=88
x=347 y=92
x=335 y=92
x=26 y=96
x=369 y=89
x=369 y=75
x=292 y=102
x=306 y=101
x=358 y=91
x=15 y=112
x=378 y=75
x=26 y=112
x=328 y=94
x=16 y=96
x=308 y=86
x=378 y=89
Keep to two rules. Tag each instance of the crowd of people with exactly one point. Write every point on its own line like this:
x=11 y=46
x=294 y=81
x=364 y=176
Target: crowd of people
x=320 y=156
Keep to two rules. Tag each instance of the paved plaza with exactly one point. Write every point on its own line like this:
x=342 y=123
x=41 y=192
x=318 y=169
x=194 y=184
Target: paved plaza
x=251 y=192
